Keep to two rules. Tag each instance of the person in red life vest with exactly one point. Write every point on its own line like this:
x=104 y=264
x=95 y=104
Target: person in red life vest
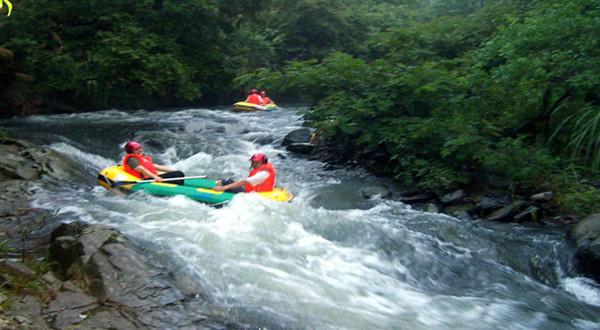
x=260 y=179
x=138 y=165
x=267 y=100
x=255 y=98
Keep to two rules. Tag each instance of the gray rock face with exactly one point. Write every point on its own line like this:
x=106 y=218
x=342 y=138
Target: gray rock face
x=21 y=164
x=586 y=235
x=506 y=212
x=119 y=286
x=454 y=197
x=24 y=161
x=299 y=141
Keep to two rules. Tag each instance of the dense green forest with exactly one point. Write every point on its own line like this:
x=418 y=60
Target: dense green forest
x=441 y=94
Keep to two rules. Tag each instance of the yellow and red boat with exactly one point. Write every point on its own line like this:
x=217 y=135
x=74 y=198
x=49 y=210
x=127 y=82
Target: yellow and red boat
x=197 y=188
x=246 y=106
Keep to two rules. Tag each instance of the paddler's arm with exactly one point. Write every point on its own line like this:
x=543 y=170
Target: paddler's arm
x=163 y=168
x=236 y=184
x=142 y=170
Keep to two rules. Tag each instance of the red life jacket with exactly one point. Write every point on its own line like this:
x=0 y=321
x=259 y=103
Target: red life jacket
x=267 y=100
x=144 y=161
x=268 y=184
x=254 y=98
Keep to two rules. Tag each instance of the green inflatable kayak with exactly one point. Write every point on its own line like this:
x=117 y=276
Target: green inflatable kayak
x=196 y=188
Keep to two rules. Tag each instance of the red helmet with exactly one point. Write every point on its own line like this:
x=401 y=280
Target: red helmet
x=263 y=93
x=259 y=158
x=131 y=146
x=253 y=91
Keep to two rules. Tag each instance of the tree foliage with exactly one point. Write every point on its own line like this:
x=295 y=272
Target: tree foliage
x=455 y=94
x=85 y=55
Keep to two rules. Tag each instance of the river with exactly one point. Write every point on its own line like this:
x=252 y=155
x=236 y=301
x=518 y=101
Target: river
x=329 y=259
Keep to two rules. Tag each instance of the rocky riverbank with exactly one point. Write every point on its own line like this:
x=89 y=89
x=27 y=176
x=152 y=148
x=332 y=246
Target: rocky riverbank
x=491 y=200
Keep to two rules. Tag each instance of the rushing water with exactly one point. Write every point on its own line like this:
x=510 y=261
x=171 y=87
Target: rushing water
x=330 y=259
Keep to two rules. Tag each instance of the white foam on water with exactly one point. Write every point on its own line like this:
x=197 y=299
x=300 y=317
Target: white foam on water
x=306 y=265
x=584 y=289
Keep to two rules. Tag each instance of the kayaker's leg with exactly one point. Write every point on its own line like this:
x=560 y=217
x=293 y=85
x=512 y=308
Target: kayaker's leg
x=174 y=174
x=227 y=181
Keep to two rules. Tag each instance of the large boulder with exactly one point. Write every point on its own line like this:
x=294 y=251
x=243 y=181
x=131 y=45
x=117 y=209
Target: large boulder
x=299 y=141
x=119 y=287
x=22 y=164
x=23 y=160
x=586 y=235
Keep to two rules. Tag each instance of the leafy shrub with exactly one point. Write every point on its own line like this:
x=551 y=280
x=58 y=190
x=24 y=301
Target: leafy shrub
x=578 y=190
x=521 y=162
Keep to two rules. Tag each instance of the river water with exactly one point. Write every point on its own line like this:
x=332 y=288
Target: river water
x=330 y=259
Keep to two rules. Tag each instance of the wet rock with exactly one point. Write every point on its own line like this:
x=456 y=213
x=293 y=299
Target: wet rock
x=530 y=214
x=154 y=144
x=107 y=319
x=490 y=203
x=419 y=198
x=461 y=211
x=301 y=148
x=506 y=213
x=68 y=307
x=263 y=140
x=432 y=208
x=543 y=197
x=21 y=166
x=15 y=195
x=586 y=235
x=52 y=281
x=27 y=313
x=301 y=135
x=372 y=191
x=25 y=161
x=119 y=284
x=299 y=141
x=454 y=197
x=18 y=267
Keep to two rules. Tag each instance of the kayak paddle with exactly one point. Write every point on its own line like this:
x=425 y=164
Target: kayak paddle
x=117 y=184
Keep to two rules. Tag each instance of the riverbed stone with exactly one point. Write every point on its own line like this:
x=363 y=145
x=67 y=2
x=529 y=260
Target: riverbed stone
x=299 y=141
x=491 y=203
x=530 y=214
x=107 y=319
x=432 y=208
x=25 y=161
x=374 y=190
x=586 y=235
x=18 y=268
x=418 y=198
x=27 y=312
x=119 y=278
x=543 y=196
x=68 y=307
x=460 y=211
x=506 y=213
x=301 y=135
x=454 y=197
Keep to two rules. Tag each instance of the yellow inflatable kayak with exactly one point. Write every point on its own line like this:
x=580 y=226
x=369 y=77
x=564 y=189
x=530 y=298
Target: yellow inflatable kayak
x=245 y=106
